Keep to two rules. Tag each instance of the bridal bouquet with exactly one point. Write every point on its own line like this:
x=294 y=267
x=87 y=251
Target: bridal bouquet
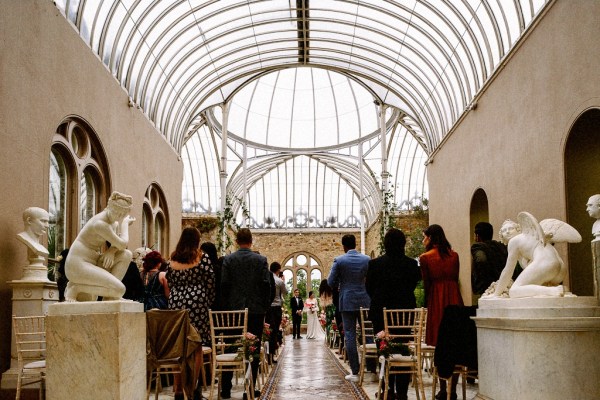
x=387 y=346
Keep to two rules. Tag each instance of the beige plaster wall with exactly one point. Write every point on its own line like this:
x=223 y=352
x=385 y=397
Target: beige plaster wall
x=47 y=73
x=512 y=145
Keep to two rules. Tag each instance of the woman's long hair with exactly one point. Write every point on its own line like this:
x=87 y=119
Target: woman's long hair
x=188 y=247
x=210 y=250
x=437 y=239
x=325 y=289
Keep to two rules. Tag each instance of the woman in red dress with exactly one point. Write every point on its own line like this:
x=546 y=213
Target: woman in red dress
x=439 y=267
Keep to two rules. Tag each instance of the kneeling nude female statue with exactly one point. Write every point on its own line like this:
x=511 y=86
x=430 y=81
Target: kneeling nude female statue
x=91 y=271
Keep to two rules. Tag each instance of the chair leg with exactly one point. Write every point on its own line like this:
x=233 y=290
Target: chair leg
x=361 y=375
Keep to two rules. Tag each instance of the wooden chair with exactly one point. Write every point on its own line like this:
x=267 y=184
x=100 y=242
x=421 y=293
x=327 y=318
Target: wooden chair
x=367 y=348
x=206 y=360
x=405 y=326
x=228 y=330
x=171 y=343
x=30 y=340
x=427 y=351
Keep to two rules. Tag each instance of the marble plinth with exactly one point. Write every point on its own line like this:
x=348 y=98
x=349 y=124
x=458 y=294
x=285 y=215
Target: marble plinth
x=29 y=298
x=538 y=348
x=96 y=350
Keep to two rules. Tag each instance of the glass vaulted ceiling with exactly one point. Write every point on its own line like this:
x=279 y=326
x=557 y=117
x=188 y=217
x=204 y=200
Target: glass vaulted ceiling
x=426 y=61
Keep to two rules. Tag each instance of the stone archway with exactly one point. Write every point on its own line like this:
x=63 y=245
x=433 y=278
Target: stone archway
x=302 y=267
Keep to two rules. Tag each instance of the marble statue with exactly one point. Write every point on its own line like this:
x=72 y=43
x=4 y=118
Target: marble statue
x=35 y=221
x=593 y=208
x=98 y=258
x=138 y=256
x=509 y=230
x=543 y=269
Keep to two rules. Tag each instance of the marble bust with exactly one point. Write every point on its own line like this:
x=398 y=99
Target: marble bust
x=35 y=221
x=593 y=208
x=543 y=269
x=98 y=258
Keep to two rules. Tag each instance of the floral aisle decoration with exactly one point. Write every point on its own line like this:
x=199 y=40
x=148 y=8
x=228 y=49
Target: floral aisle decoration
x=387 y=346
x=266 y=334
x=322 y=319
x=250 y=347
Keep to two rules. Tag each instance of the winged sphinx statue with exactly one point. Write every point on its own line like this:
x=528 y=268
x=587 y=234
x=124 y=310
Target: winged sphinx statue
x=543 y=269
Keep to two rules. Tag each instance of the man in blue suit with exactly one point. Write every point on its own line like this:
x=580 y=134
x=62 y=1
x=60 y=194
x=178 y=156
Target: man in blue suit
x=349 y=272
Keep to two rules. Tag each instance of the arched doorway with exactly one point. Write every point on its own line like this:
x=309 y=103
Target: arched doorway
x=479 y=212
x=582 y=179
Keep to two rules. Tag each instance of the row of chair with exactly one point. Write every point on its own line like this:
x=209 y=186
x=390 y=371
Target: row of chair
x=407 y=326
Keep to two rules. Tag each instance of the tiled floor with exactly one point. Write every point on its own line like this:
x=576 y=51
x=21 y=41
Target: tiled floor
x=309 y=370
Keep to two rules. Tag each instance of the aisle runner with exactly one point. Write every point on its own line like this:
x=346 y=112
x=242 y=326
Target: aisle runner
x=308 y=370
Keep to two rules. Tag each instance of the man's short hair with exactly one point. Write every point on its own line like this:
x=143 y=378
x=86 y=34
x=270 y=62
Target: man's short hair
x=485 y=230
x=394 y=241
x=243 y=236
x=275 y=266
x=349 y=241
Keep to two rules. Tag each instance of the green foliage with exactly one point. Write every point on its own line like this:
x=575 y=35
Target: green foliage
x=227 y=224
x=420 y=295
x=206 y=224
x=386 y=216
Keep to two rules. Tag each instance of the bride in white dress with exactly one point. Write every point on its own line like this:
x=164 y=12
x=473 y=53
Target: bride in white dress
x=313 y=326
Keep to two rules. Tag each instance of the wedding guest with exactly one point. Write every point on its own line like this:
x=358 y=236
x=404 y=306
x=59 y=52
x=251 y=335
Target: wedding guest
x=274 y=315
x=191 y=282
x=210 y=250
x=391 y=282
x=326 y=300
x=440 y=268
x=61 y=280
x=349 y=272
x=155 y=286
x=246 y=283
x=488 y=259
x=296 y=305
x=313 y=326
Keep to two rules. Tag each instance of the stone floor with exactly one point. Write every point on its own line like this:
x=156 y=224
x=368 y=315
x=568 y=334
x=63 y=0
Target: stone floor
x=309 y=370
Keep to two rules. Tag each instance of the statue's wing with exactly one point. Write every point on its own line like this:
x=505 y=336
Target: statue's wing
x=530 y=226
x=557 y=231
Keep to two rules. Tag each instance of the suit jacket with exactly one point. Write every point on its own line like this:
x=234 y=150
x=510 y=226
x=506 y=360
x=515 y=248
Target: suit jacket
x=296 y=306
x=391 y=283
x=246 y=282
x=349 y=272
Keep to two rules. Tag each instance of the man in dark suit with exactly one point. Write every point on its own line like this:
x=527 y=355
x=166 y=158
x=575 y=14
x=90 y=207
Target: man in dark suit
x=296 y=305
x=246 y=283
x=349 y=272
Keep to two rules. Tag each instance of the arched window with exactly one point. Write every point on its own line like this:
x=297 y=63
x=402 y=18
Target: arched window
x=78 y=182
x=155 y=220
x=303 y=271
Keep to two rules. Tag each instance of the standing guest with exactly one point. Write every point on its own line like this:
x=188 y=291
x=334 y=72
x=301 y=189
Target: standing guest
x=349 y=272
x=391 y=282
x=134 y=287
x=326 y=299
x=61 y=280
x=440 y=268
x=275 y=313
x=488 y=259
x=296 y=305
x=210 y=250
x=155 y=286
x=246 y=283
x=191 y=282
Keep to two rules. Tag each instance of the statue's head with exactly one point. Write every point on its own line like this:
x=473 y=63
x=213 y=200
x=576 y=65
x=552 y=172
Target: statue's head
x=36 y=221
x=119 y=205
x=508 y=230
x=593 y=206
x=138 y=256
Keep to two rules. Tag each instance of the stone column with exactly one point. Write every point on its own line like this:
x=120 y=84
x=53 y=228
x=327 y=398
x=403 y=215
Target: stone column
x=96 y=350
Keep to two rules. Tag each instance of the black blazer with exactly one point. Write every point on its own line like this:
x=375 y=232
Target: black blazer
x=391 y=283
x=295 y=307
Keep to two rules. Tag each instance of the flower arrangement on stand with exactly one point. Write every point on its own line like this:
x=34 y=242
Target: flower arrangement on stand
x=387 y=346
x=323 y=319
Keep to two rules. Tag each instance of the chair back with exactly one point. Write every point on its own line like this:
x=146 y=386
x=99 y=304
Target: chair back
x=405 y=325
x=30 y=338
x=226 y=328
x=366 y=327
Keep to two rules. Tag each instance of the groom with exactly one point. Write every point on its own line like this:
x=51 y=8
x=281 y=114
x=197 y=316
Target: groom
x=296 y=305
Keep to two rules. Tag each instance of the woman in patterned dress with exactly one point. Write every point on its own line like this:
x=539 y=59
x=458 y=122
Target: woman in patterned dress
x=191 y=281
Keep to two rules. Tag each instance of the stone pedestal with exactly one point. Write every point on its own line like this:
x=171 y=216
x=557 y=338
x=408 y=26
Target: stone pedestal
x=538 y=348
x=96 y=350
x=596 y=267
x=29 y=298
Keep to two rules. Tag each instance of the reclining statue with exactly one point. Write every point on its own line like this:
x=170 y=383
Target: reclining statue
x=98 y=258
x=543 y=269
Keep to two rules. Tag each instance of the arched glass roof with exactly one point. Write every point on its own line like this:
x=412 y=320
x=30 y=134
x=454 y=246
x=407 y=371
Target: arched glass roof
x=426 y=61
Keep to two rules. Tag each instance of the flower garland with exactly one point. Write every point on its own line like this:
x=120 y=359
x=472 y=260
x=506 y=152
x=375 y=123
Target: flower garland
x=387 y=346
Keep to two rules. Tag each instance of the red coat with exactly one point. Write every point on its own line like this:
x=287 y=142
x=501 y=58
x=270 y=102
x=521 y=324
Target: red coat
x=440 y=279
